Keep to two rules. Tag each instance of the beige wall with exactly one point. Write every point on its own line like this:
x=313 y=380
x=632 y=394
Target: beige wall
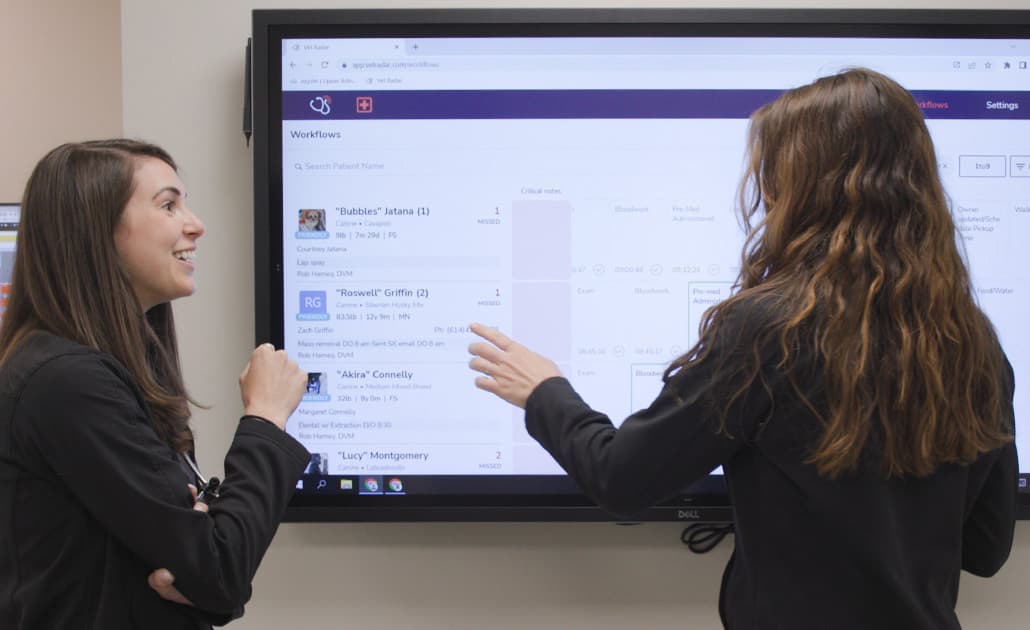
x=182 y=87
x=60 y=63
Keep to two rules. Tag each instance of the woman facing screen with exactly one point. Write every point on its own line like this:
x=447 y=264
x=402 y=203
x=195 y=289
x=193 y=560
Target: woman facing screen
x=852 y=389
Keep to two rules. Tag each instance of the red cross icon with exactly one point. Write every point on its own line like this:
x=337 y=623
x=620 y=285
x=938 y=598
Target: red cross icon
x=363 y=104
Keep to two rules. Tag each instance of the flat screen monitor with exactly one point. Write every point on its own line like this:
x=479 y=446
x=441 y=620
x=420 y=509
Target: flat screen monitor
x=10 y=213
x=568 y=176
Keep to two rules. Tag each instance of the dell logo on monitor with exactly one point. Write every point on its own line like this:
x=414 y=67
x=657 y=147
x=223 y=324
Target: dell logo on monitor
x=688 y=515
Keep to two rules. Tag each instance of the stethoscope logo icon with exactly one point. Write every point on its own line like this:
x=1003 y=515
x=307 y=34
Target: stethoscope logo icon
x=320 y=104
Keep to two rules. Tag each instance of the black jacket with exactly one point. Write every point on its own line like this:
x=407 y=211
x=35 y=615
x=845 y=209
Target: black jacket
x=92 y=501
x=811 y=553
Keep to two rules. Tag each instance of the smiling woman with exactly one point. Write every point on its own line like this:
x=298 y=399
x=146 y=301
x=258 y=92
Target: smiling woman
x=97 y=476
x=156 y=237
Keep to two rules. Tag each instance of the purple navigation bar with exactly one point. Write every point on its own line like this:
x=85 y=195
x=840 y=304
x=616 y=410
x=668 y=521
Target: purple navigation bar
x=538 y=104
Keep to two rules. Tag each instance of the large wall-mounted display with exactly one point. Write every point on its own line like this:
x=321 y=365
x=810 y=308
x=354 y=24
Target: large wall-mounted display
x=569 y=176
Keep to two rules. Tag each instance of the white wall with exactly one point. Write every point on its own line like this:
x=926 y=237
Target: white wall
x=62 y=80
x=183 y=84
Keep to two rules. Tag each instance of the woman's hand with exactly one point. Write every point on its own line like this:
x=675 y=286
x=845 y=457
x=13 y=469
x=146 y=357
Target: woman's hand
x=271 y=385
x=162 y=580
x=512 y=371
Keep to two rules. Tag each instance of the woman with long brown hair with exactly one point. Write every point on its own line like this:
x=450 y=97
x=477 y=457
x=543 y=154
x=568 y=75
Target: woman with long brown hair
x=851 y=387
x=103 y=526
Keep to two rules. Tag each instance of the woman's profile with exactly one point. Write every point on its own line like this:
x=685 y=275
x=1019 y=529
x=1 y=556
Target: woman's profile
x=102 y=525
x=852 y=389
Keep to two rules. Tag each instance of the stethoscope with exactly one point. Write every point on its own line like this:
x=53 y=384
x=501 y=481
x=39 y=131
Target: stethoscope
x=208 y=489
x=320 y=104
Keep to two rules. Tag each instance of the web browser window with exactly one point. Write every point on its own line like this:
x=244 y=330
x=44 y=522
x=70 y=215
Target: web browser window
x=580 y=195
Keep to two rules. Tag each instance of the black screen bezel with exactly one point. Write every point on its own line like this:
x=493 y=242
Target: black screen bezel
x=708 y=500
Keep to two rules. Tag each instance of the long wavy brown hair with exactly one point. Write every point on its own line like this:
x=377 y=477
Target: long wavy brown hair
x=851 y=253
x=67 y=279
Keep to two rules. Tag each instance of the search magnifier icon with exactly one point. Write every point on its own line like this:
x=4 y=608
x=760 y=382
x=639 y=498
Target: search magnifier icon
x=297 y=166
x=321 y=484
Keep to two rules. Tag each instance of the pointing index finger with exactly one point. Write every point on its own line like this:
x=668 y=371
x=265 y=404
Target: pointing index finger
x=492 y=335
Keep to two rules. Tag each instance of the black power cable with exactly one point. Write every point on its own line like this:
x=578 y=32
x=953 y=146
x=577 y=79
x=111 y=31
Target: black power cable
x=703 y=537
